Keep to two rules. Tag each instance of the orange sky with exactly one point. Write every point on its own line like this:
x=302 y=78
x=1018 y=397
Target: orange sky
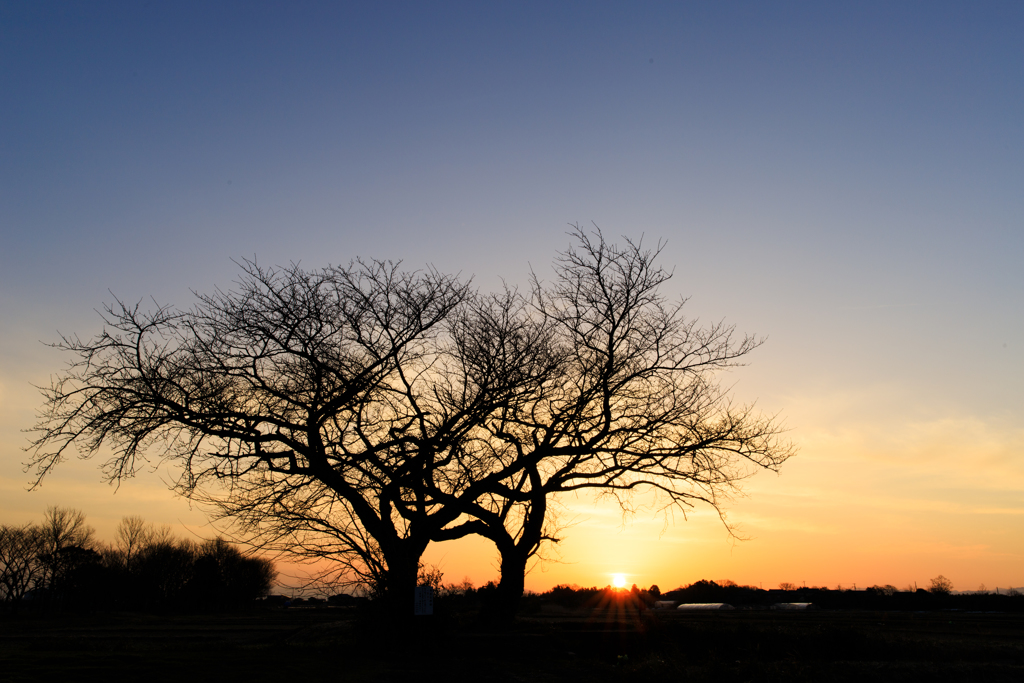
x=866 y=501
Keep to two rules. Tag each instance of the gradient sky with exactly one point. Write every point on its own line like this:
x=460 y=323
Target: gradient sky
x=846 y=179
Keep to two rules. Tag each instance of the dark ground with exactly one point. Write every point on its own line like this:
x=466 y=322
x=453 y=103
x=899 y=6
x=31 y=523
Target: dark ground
x=337 y=645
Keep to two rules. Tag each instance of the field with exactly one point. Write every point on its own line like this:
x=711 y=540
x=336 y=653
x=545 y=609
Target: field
x=338 y=645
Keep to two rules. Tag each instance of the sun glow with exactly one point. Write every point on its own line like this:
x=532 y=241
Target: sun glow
x=619 y=580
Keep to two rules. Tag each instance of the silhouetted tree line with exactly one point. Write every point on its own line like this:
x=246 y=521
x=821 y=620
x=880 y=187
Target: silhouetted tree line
x=58 y=565
x=464 y=599
x=937 y=597
x=888 y=597
x=577 y=597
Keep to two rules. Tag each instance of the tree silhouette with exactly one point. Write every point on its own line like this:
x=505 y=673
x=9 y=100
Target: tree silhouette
x=131 y=536
x=66 y=551
x=628 y=403
x=301 y=405
x=20 y=565
x=362 y=413
x=940 y=585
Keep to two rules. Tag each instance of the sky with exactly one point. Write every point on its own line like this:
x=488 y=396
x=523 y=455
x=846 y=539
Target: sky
x=844 y=179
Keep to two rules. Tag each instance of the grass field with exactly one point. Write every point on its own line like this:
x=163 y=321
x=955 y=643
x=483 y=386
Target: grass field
x=336 y=645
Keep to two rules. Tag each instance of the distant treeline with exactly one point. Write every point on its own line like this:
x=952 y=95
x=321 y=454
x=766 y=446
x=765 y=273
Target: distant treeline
x=887 y=597
x=58 y=565
x=464 y=597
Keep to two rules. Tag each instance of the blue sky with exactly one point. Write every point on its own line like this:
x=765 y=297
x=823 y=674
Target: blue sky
x=845 y=178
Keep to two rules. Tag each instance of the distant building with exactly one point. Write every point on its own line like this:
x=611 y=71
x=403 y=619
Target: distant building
x=704 y=606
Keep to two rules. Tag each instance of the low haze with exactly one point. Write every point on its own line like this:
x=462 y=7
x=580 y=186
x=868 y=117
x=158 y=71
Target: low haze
x=843 y=179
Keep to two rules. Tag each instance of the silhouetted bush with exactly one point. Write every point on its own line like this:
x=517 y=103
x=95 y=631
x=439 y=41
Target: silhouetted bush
x=710 y=591
x=224 y=577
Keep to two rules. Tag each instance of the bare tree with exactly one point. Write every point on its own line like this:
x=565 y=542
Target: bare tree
x=298 y=404
x=940 y=585
x=66 y=542
x=628 y=402
x=483 y=357
x=361 y=413
x=20 y=566
x=64 y=528
x=130 y=537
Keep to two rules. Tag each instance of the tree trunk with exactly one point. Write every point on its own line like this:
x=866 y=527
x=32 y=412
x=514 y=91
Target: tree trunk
x=516 y=554
x=510 y=587
x=403 y=564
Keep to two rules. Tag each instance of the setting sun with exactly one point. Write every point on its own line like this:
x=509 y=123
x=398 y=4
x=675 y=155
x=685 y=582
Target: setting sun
x=619 y=580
